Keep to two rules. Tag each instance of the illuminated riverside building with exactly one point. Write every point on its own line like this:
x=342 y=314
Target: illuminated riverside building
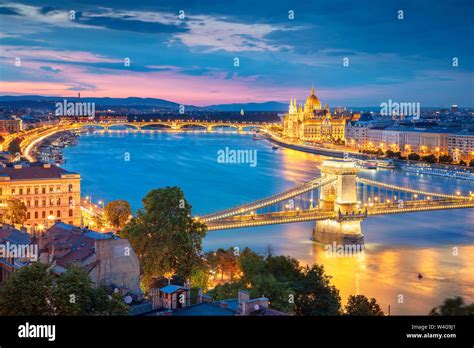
x=100 y=119
x=11 y=126
x=461 y=143
x=313 y=122
x=421 y=141
x=49 y=193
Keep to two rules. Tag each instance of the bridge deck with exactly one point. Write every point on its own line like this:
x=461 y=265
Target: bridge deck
x=261 y=203
x=316 y=214
x=408 y=190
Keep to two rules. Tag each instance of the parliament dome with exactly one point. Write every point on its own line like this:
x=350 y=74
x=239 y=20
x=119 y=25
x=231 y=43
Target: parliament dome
x=312 y=102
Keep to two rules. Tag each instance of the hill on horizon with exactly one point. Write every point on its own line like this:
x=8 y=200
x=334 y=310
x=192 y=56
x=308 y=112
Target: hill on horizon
x=48 y=101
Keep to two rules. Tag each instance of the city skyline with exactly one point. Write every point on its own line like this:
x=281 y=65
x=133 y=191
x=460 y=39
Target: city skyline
x=191 y=60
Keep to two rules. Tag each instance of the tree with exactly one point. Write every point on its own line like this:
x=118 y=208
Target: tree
x=414 y=156
x=290 y=288
x=226 y=291
x=445 y=159
x=315 y=295
x=462 y=163
x=277 y=291
x=250 y=264
x=106 y=302
x=471 y=163
x=453 y=306
x=73 y=293
x=430 y=158
x=117 y=213
x=361 y=305
x=284 y=268
x=35 y=290
x=164 y=235
x=200 y=277
x=227 y=262
x=98 y=221
x=14 y=146
x=16 y=211
x=28 y=291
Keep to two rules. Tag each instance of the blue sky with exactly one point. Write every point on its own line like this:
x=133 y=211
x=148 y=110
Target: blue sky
x=191 y=60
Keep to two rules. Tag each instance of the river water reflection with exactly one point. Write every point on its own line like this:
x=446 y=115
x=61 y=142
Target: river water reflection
x=397 y=247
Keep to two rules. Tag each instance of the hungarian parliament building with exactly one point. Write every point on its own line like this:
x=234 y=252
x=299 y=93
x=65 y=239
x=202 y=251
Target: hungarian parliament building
x=313 y=122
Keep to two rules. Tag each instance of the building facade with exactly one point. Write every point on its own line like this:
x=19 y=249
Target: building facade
x=461 y=145
x=108 y=259
x=407 y=140
x=49 y=193
x=11 y=126
x=313 y=122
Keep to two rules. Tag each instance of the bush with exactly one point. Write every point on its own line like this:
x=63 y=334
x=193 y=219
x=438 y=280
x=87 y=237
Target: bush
x=445 y=159
x=430 y=159
x=414 y=156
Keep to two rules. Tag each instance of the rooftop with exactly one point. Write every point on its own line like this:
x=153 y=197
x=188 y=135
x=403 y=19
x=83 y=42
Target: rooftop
x=33 y=171
x=14 y=236
x=170 y=289
x=206 y=308
x=79 y=243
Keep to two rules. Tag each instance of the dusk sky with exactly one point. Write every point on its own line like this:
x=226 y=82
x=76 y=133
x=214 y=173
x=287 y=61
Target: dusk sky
x=191 y=60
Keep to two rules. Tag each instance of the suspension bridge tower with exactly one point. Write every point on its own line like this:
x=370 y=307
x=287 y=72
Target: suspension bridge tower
x=339 y=196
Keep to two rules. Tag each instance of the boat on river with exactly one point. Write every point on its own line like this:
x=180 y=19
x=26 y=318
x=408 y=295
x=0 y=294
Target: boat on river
x=424 y=168
x=386 y=164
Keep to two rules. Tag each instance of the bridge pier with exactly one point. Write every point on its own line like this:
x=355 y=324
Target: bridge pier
x=339 y=196
x=340 y=232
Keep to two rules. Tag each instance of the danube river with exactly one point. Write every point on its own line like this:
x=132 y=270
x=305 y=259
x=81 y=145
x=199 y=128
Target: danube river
x=126 y=165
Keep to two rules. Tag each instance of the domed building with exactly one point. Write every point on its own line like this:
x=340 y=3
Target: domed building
x=312 y=102
x=313 y=123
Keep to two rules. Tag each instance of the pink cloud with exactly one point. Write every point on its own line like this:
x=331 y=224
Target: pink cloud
x=171 y=85
x=37 y=53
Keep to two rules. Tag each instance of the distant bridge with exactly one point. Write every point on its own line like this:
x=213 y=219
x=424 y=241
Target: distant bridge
x=171 y=125
x=30 y=138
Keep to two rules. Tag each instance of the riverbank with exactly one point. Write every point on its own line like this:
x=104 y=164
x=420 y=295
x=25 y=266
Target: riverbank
x=342 y=154
x=315 y=150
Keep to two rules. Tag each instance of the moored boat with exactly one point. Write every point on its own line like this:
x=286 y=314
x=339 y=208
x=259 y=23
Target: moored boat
x=424 y=168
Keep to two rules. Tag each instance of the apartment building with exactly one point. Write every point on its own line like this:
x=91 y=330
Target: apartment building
x=49 y=193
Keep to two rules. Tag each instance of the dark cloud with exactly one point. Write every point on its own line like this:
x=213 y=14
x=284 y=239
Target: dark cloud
x=340 y=53
x=47 y=9
x=131 y=25
x=50 y=69
x=8 y=11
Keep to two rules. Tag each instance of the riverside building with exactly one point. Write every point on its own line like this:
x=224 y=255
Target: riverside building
x=49 y=193
x=313 y=122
